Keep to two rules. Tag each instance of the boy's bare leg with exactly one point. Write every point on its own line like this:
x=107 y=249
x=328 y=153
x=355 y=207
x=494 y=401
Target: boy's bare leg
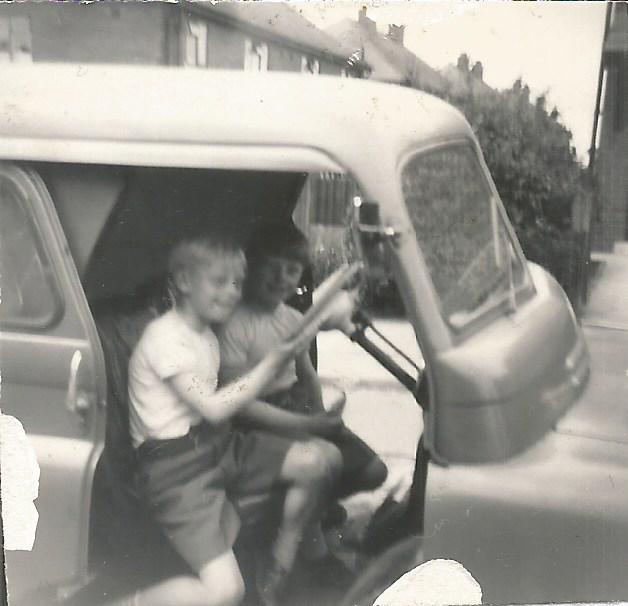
x=310 y=470
x=219 y=584
x=222 y=580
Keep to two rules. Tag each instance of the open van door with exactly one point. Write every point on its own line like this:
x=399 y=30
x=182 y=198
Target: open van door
x=504 y=354
x=51 y=366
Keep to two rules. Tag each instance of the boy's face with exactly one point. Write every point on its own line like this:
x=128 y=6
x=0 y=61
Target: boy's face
x=214 y=288
x=275 y=280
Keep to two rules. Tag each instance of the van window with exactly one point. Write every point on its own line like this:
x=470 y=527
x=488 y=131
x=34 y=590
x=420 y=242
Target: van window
x=322 y=213
x=29 y=298
x=459 y=227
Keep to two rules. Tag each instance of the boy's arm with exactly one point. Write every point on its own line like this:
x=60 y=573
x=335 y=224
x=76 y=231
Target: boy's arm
x=221 y=405
x=273 y=419
x=308 y=378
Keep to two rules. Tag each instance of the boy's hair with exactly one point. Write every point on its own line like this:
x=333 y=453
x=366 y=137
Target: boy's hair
x=191 y=251
x=279 y=240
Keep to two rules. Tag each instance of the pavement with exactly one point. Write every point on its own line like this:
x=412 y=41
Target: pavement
x=608 y=292
x=378 y=409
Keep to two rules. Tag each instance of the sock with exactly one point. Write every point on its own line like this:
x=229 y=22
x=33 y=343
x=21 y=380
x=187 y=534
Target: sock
x=286 y=547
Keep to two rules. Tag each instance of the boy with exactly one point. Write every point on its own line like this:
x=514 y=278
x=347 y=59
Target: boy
x=277 y=258
x=189 y=456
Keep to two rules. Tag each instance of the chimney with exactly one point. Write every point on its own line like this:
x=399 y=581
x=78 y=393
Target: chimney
x=477 y=71
x=463 y=63
x=395 y=33
x=367 y=24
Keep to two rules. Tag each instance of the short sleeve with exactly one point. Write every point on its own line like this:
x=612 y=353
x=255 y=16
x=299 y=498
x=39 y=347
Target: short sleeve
x=292 y=317
x=167 y=352
x=234 y=347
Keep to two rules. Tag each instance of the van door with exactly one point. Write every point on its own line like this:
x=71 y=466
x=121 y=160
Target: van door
x=505 y=356
x=52 y=374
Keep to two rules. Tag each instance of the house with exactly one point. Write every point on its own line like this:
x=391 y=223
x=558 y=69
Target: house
x=389 y=60
x=609 y=148
x=233 y=35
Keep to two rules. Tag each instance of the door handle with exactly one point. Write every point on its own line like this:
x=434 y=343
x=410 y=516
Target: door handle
x=77 y=401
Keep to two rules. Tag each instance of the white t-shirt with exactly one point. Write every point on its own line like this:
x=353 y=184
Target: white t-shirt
x=249 y=335
x=168 y=347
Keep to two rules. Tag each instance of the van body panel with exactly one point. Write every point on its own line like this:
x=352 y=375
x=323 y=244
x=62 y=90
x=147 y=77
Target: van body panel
x=549 y=525
x=505 y=386
x=38 y=368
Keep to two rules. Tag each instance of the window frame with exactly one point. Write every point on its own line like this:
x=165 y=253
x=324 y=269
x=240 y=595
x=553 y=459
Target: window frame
x=193 y=29
x=483 y=315
x=22 y=183
x=310 y=65
x=260 y=51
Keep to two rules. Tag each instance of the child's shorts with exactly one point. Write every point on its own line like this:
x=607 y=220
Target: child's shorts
x=185 y=482
x=357 y=455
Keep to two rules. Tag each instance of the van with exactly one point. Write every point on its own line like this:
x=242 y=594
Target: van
x=103 y=167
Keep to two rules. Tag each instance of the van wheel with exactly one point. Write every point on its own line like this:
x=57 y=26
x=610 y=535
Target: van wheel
x=384 y=570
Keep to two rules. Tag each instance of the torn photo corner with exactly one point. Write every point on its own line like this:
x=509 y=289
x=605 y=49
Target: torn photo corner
x=20 y=485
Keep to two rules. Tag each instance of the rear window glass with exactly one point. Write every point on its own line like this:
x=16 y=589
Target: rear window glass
x=28 y=296
x=472 y=262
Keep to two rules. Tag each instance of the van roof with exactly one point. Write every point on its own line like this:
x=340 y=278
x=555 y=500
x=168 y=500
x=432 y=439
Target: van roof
x=66 y=112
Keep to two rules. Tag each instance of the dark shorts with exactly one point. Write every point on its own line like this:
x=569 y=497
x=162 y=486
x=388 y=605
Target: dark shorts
x=186 y=482
x=357 y=455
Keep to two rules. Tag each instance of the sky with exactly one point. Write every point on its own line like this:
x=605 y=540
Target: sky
x=553 y=46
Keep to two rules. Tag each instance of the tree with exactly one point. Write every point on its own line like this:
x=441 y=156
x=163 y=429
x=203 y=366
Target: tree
x=536 y=171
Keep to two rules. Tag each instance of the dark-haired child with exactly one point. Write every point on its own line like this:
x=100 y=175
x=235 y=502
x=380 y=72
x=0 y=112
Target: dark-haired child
x=277 y=258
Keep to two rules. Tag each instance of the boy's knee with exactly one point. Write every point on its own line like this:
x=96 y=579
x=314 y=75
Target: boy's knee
x=369 y=477
x=233 y=594
x=223 y=582
x=229 y=592
x=319 y=462
x=375 y=474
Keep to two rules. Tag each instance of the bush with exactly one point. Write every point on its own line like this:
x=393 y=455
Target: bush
x=538 y=176
x=563 y=254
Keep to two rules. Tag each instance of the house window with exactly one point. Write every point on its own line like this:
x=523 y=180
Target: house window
x=310 y=66
x=255 y=56
x=15 y=40
x=196 y=43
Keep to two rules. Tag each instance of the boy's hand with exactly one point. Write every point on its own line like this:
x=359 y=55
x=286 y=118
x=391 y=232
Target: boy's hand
x=335 y=406
x=325 y=424
x=340 y=312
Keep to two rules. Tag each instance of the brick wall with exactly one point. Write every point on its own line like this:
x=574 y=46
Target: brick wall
x=329 y=68
x=139 y=33
x=95 y=32
x=225 y=47
x=283 y=59
x=226 y=51
x=611 y=215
